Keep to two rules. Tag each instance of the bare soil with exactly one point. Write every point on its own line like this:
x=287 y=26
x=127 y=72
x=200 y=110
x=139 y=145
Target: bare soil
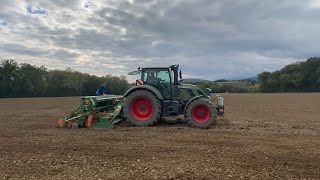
x=261 y=136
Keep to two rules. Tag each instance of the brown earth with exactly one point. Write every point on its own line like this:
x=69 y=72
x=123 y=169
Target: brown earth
x=262 y=136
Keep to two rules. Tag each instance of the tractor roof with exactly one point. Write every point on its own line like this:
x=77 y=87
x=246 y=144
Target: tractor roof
x=160 y=67
x=155 y=67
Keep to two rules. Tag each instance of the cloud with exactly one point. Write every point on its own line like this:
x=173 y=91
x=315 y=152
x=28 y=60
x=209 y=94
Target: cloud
x=209 y=39
x=314 y=4
x=35 y=10
x=2 y=23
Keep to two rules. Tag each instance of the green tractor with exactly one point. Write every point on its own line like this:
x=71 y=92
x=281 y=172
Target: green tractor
x=159 y=94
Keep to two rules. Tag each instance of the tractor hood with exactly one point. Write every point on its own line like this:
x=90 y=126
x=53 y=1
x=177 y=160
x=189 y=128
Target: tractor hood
x=194 y=87
x=188 y=86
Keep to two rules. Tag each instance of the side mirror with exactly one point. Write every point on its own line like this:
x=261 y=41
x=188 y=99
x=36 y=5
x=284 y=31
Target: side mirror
x=180 y=74
x=134 y=73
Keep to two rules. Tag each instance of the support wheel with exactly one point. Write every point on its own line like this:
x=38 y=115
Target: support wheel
x=201 y=113
x=142 y=108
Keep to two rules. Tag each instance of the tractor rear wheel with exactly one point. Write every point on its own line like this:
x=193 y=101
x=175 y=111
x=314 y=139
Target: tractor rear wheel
x=200 y=113
x=142 y=108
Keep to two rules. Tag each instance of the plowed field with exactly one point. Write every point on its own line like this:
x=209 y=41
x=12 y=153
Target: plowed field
x=261 y=136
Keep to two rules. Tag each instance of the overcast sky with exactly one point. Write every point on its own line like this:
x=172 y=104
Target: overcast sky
x=210 y=39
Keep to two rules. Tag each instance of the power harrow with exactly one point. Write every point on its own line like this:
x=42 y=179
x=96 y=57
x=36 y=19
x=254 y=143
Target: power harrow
x=95 y=112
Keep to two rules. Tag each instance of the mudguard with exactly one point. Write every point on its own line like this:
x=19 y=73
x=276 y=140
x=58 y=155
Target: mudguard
x=150 y=88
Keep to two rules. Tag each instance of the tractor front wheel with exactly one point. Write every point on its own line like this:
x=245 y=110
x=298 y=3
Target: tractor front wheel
x=200 y=113
x=142 y=108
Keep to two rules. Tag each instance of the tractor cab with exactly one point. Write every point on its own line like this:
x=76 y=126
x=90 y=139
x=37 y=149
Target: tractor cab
x=163 y=79
x=168 y=82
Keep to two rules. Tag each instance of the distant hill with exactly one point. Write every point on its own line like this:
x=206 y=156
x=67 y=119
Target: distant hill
x=194 y=80
x=233 y=80
x=254 y=78
x=221 y=80
x=250 y=79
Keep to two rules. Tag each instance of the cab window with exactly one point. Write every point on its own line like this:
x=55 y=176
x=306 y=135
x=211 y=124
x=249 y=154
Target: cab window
x=164 y=76
x=159 y=78
x=154 y=77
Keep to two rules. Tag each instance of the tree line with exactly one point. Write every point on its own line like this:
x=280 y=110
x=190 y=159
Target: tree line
x=25 y=80
x=296 y=77
x=249 y=86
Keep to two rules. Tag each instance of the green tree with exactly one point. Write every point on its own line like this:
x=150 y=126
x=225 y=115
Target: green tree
x=284 y=81
x=8 y=77
x=31 y=81
x=300 y=76
x=263 y=79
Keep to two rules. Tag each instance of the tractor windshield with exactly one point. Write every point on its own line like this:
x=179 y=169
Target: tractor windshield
x=156 y=76
x=160 y=79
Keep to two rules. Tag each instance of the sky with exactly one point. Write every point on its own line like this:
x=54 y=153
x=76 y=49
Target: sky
x=209 y=39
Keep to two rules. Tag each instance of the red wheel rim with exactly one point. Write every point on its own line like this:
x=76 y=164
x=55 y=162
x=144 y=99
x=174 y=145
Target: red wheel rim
x=141 y=109
x=201 y=113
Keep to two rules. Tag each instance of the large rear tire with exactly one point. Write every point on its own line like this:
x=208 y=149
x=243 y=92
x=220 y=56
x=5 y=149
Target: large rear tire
x=142 y=108
x=201 y=113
